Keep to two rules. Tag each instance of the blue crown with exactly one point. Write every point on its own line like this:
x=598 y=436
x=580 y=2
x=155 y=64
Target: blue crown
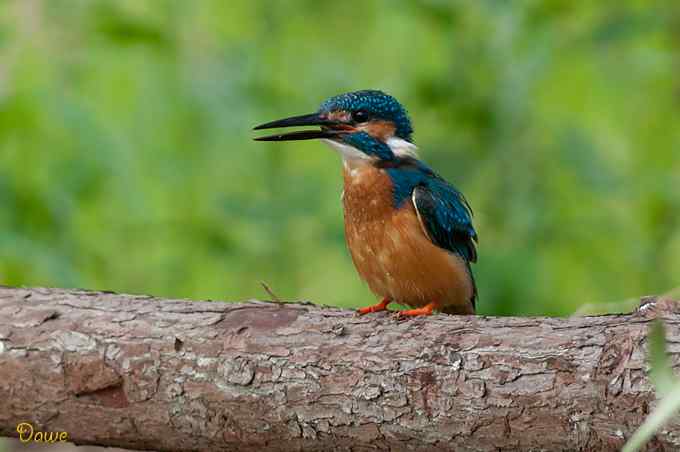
x=377 y=104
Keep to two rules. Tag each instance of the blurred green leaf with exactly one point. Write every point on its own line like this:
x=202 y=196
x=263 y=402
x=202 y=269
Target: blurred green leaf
x=661 y=372
x=666 y=409
x=667 y=389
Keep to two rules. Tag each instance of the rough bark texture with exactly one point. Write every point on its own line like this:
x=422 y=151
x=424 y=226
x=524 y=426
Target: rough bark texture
x=146 y=373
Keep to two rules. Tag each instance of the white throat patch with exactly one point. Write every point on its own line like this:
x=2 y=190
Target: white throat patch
x=347 y=152
x=402 y=148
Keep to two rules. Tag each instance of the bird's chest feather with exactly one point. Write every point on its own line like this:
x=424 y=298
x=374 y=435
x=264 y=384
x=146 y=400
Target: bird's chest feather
x=367 y=197
x=384 y=241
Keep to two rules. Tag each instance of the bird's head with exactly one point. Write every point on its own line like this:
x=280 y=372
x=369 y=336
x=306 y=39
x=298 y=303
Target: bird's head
x=362 y=126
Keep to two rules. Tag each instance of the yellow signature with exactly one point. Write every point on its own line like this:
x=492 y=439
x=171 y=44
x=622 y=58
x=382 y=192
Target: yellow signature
x=27 y=434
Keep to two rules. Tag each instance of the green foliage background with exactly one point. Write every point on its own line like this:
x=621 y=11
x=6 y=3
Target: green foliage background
x=126 y=159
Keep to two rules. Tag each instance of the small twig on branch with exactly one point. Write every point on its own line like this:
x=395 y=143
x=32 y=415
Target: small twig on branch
x=271 y=293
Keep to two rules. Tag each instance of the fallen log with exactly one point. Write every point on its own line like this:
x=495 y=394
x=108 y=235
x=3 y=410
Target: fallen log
x=147 y=373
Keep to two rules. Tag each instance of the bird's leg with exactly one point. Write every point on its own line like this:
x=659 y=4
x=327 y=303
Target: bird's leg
x=425 y=310
x=382 y=306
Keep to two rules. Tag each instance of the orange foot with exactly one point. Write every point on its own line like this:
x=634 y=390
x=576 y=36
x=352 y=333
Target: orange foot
x=425 y=310
x=382 y=306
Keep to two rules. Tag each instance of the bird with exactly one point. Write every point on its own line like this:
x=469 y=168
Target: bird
x=409 y=232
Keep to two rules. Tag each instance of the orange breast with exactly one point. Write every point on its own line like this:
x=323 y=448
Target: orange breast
x=391 y=251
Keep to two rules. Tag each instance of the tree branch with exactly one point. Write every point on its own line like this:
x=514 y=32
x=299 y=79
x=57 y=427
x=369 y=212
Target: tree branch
x=146 y=373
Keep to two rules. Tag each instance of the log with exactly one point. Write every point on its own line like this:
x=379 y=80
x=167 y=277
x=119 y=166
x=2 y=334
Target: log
x=156 y=374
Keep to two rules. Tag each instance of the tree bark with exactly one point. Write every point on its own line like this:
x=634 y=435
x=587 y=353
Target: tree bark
x=147 y=373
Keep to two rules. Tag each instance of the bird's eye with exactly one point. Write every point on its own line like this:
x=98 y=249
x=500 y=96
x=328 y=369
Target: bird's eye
x=360 y=116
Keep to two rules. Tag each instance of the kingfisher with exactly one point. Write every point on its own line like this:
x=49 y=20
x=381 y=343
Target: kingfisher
x=409 y=232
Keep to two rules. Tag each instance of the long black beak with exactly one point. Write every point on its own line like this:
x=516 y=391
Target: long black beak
x=313 y=119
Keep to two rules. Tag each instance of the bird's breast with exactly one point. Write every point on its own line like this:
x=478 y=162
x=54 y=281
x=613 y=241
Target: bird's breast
x=367 y=197
x=390 y=249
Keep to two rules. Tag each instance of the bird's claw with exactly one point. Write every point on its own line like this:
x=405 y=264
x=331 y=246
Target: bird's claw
x=428 y=309
x=399 y=317
x=382 y=306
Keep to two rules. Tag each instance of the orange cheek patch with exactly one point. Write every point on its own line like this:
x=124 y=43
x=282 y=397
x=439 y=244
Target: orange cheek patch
x=382 y=130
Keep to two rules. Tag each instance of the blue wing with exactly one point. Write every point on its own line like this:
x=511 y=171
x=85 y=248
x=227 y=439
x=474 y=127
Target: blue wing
x=443 y=212
x=446 y=216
